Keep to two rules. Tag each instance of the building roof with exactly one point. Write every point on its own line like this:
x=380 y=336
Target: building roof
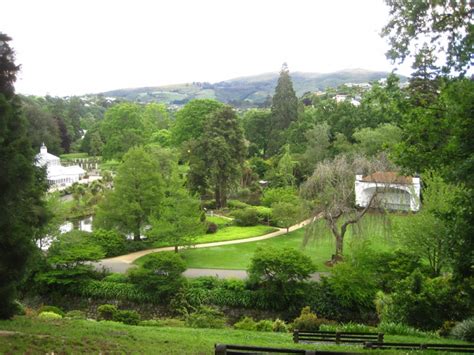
x=388 y=177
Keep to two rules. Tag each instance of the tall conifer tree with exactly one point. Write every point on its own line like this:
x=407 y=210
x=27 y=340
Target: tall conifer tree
x=21 y=186
x=284 y=110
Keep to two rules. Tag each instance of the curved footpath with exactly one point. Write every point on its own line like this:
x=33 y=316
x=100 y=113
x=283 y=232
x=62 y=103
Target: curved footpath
x=122 y=263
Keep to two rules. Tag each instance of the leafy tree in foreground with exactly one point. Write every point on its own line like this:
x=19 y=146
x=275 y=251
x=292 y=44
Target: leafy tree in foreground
x=286 y=214
x=443 y=24
x=136 y=196
x=21 y=186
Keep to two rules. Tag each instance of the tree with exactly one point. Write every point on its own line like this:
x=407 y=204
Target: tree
x=372 y=141
x=64 y=135
x=286 y=214
x=284 y=110
x=217 y=157
x=179 y=221
x=191 y=120
x=331 y=190
x=137 y=195
x=257 y=127
x=426 y=232
x=317 y=148
x=22 y=186
x=280 y=275
x=443 y=24
x=122 y=128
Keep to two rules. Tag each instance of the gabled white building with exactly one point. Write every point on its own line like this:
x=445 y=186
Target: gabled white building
x=394 y=192
x=58 y=175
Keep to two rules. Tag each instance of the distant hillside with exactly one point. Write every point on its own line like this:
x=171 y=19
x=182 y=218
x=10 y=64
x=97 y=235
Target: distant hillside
x=245 y=91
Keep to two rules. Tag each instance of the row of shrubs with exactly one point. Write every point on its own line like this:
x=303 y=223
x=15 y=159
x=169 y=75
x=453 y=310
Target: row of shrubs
x=210 y=317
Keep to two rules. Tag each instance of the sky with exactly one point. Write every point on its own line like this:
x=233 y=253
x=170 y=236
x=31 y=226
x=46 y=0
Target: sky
x=75 y=47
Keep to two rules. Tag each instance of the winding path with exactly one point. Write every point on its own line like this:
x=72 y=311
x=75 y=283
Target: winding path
x=122 y=263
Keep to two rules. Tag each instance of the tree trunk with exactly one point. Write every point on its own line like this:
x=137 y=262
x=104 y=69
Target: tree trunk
x=136 y=233
x=176 y=249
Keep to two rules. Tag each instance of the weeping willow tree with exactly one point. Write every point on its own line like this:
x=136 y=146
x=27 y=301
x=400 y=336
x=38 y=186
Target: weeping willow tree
x=331 y=192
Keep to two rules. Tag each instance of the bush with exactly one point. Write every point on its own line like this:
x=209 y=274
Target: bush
x=332 y=326
x=211 y=228
x=107 y=311
x=160 y=275
x=236 y=204
x=464 y=330
x=126 y=317
x=111 y=242
x=49 y=315
x=206 y=317
x=115 y=277
x=20 y=309
x=246 y=323
x=246 y=217
x=306 y=321
x=52 y=309
x=279 y=194
x=393 y=328
x=446 y=329
x=264 y=326
x=279 y=326
x=76 y=314
x=115 y=291
x=164 y=322
x=279 y=275
x=208 y=204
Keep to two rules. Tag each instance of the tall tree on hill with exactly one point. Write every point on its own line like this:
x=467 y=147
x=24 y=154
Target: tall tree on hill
x=21 y=186
x=64 y=135
x=284 y=110
x=216 y=159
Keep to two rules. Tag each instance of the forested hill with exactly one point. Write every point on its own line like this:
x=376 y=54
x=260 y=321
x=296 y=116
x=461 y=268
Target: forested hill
x=245 y=91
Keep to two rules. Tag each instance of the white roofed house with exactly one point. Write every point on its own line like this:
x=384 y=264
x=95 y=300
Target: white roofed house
x=393 y=191
x=58 y=175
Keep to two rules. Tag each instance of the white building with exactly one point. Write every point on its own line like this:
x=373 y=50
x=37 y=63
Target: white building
x=394 y=192
x=58 y=175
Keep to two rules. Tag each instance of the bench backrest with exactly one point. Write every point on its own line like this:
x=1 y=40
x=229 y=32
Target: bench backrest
x=338 y=337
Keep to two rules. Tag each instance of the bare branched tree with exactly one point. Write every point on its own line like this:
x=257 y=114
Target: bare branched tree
x=331 y=190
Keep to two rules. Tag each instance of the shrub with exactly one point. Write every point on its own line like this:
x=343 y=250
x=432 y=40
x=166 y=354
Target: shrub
x=52 y=309
x=279 y=194
x=332 y=326
x=116 y=277
x=211 y=228
x=164 y=322
x=393 y=328
x=246 y=217
x=246 y=323
x=160 y=275
x=126 y=317
x=20 y=309
x=464 y=330
x=107 y=311
x=279 y=326
x=115 y=291
x=236 y=204
x=76 y=314
x=208 y=204
x=49 y=315
x=279 y=274
x=264 y=326
x=446 y=329
x=111 y=242
x=206 y=317
x=306 y=321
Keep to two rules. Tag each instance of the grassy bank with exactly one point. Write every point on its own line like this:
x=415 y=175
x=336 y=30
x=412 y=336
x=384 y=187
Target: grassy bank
x=31 y=335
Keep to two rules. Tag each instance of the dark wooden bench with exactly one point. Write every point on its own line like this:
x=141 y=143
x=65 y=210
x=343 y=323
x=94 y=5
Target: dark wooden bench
x=459 y=348
x=336 y=337
x=224 y=349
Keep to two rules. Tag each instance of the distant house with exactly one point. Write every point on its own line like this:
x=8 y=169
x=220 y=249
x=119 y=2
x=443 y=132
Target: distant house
x=58 y=175
x=393 y=191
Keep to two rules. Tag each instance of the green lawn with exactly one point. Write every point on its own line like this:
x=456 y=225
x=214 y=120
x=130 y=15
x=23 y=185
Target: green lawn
x=71 y=156
x=227 y=233
x=220 y=221
x=320 y=248
x=34 y=336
